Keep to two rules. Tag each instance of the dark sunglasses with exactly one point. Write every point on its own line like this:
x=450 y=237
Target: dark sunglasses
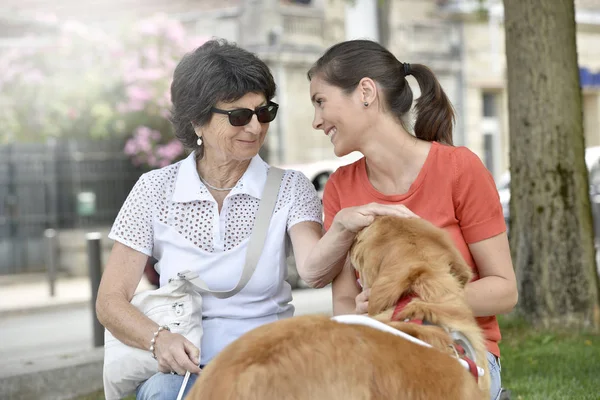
x=242 y=116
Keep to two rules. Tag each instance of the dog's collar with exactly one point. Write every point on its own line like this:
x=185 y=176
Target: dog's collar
x=402 y=303
x=458 y=348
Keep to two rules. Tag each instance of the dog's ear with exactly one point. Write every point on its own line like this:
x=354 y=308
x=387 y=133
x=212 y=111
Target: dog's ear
x=394 y=281
x=460 y=269
x=385 y=292
x=458 y=266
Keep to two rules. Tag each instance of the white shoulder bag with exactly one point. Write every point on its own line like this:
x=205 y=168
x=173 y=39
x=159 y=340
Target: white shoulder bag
x=178 y=305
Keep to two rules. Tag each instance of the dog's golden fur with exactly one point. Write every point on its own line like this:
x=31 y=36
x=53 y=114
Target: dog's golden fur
x=313 y=357
x=397 y=257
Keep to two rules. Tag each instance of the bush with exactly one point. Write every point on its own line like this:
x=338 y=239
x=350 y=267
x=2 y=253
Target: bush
x=82 y=81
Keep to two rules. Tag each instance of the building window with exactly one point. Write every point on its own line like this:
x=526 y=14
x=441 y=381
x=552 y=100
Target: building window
x=490 y=131
x=488 y=151
x=490 y=108
x=300 y=2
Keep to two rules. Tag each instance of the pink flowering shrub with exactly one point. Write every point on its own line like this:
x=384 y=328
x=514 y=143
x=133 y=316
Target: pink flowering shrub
x=147 y=147
x=81 y=81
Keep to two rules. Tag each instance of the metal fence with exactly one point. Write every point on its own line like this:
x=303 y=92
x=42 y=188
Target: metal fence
x=61 y=184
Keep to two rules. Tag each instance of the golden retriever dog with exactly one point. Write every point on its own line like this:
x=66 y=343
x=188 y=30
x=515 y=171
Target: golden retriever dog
x=417 y=280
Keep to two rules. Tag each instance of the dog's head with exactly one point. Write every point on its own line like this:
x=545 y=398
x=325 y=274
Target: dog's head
x=401 y=256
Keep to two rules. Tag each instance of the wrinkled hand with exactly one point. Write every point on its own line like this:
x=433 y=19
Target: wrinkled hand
x=362 y=302
x=176 y=354
x=354 y=219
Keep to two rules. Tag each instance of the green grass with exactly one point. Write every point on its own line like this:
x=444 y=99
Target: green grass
x=92 y=396
x=100 y=396
x=538 y=365
x=546 y=365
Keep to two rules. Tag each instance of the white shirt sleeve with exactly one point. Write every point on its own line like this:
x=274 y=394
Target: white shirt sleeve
x=133 y=226
x=306 y=204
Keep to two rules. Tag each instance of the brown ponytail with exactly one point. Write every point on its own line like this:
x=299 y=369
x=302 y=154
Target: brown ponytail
x=346 y=63
x=435 y=114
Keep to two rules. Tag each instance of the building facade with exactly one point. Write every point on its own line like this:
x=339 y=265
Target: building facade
x=462 y=45
x=465 y=47
x=288 y=34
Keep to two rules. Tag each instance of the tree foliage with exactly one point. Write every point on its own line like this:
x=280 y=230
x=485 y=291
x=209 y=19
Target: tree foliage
x=87 y=81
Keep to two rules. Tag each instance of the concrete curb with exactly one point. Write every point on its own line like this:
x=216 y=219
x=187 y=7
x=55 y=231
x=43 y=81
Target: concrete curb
x=54 y=378
x=41 y=308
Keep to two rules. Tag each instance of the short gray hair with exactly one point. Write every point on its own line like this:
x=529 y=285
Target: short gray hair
x=217 y=71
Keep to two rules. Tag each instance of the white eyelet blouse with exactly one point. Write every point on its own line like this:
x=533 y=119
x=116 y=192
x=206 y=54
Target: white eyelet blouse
x=172 y=216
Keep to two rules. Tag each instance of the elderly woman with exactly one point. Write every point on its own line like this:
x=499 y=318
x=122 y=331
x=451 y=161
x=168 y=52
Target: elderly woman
x=203 y=208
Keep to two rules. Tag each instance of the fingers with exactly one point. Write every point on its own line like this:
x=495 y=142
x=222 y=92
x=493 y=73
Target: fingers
x=362 y=303
x=193 y=354
x=178 y=355
x=398 y=210
x=353 y=219
x=184 y=364
x=179 y=362
x=192 y=351
x=362 y=308
x=363 y=296
x=363 y=220
x=164 y=368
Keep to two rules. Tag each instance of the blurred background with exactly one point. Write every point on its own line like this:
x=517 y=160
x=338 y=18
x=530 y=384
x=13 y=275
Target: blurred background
x=84 y=94
x=84 y=101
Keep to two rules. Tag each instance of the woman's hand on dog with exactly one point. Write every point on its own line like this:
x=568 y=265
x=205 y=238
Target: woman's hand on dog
x=176 y=354
x=353 y=219
x=362 y=302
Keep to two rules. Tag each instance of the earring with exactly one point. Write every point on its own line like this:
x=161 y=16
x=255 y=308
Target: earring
x=366 y=104
x=199 y=141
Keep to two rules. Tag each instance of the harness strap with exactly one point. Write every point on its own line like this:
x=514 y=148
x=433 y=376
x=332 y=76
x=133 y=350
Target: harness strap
x=472 y=368
x=460 y=351
x=373 y=323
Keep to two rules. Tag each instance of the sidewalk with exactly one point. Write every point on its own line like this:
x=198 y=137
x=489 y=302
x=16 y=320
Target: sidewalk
x=50 y=355
x=31 y=293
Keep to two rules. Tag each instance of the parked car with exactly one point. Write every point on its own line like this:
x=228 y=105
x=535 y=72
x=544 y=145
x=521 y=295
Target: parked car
x=592 y=161
x=319 y=171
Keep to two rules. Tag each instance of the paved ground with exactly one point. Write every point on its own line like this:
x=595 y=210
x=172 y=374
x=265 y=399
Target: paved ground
x=58 y=327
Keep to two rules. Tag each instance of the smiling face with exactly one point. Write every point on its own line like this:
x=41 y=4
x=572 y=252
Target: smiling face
x=234 y=143
x=338 y=114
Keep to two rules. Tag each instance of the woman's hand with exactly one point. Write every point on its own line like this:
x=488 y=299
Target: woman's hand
x=354 y=219
x=176 y=354
x=362 y=302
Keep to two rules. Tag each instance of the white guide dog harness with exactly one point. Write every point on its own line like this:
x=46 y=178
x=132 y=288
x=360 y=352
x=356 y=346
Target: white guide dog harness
x=373 y=323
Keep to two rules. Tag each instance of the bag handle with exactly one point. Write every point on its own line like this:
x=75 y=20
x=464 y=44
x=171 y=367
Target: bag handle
x=256 y=242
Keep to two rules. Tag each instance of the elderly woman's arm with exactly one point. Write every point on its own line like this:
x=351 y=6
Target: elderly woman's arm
x=320 y=258
x=121 y=277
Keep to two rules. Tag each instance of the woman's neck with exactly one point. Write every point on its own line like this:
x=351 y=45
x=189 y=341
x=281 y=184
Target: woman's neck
x=219 y=172
x=394 y=157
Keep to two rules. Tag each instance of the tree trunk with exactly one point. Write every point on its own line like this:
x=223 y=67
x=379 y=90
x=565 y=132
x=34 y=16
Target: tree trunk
x=551 y=223
x=383 y=21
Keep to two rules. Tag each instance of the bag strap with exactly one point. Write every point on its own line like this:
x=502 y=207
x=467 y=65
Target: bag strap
x=256 y=242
